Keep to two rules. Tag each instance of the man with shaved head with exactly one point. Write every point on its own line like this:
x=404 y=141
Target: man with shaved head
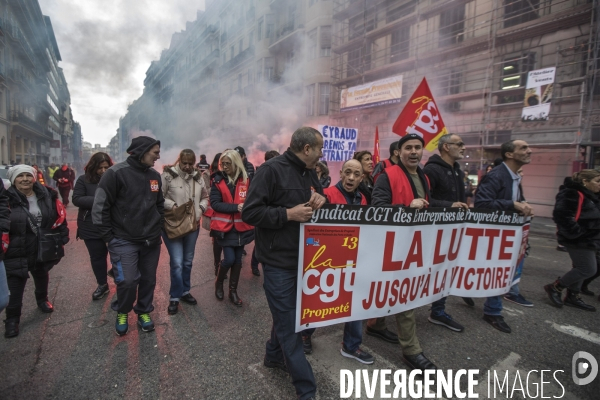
x=346 y=192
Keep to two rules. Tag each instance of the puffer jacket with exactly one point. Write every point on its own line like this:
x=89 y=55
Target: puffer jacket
x=585 y=231
x=177 y=189
x=21 y=255
x=232 y=238
x=83 y=197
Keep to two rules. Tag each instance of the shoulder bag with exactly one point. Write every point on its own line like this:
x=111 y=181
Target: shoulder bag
x=50 y=243
x=181 y=220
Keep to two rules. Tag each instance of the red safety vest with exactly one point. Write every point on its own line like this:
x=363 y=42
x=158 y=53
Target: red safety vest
x=401 y=190
x=335 y=196
x=224 y=222
x=386 y=164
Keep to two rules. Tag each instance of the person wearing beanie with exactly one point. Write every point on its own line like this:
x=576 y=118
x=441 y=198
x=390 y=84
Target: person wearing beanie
x=128 y=210
x=404 y=184
x=247 y=164
x=32 y=207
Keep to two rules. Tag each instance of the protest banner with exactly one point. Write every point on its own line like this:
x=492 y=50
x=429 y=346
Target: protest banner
x=377 y=93
x=421 y=116
x=538 y=94
x=361 y=262
x=339 y=143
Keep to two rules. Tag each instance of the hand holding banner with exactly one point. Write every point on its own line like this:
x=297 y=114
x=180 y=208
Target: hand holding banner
x=421 y=116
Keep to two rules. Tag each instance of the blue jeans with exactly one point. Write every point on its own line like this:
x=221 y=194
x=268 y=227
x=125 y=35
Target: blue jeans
x=285 y=344
x=4 y=293
x=181 y=254
x=352 y=335
x=493 y=305
x=438 y=307
x=231 y=256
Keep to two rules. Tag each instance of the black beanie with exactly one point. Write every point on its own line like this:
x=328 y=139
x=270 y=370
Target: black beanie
x=409 y=136
x=141 y=145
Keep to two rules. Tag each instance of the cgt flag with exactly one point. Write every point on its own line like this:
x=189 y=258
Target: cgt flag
x=376 y=149
x=421 y=116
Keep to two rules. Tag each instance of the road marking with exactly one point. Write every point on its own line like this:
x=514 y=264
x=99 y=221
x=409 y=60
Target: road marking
x=577 y=332
x=512 y=312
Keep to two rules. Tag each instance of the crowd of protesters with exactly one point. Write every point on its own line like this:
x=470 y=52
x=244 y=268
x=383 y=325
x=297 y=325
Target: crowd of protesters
x=124 y=208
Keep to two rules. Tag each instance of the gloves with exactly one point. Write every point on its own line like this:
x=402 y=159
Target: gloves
x=5 y=241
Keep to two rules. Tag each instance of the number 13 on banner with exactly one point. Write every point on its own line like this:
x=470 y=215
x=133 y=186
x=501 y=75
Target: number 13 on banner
x=327 y=274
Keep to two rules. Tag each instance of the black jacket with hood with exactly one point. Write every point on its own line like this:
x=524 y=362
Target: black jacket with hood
x=21 y=255
x=129 y=203
x=446 y=182
x=282 y=182
x=581 y=232
x=83 y=197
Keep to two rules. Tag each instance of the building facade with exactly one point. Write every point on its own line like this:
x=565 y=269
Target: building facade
x=476 y=56
x=36 y=124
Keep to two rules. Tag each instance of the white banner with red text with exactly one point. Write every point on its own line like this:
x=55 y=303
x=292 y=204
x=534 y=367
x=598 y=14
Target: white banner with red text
x=361 y=262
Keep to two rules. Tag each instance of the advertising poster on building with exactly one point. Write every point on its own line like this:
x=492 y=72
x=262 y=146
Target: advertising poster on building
x=361 y=262
x=421 y=115
x=538 y=94
x=339 y=143
x=381 y=92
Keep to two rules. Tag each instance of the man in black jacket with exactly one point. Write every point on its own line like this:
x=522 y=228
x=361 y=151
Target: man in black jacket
x=129 y=211
x=446 y=185
x=393 y=160
x=284 y=193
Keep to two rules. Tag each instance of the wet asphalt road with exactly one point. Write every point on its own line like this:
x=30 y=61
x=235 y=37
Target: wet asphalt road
x=214 y=350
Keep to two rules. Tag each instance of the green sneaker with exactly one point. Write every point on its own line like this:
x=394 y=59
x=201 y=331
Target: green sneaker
x=145 y=322
x=121 y=325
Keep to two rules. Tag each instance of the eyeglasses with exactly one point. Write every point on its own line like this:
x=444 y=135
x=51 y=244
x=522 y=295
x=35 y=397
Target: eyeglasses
x=226 y=164
x=459 y=144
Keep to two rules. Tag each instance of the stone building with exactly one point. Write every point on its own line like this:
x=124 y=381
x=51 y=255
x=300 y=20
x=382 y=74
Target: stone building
x=476 y=55
x=36 y=124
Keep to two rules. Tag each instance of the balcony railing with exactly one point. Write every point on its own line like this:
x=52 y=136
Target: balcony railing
x=22 y=119
x=235 y=61
x=16 y=33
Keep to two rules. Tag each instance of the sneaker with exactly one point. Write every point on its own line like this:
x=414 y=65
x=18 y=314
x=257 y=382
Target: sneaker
x=100 y=291
x=447 y=321
x=358 y=355
x=145 y=322
x=307 y=344
x=497 y=321
x=518 y=299
x=121 y=325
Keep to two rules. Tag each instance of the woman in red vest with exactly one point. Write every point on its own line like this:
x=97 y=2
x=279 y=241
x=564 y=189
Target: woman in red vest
x=227 y=195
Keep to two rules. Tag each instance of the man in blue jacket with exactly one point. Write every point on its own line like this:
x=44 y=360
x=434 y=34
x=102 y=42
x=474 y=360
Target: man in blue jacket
x=501 y=189
x=129 y=213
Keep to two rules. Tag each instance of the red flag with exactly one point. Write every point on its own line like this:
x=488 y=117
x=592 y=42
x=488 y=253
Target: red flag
x=376 y=149
x=421 y=116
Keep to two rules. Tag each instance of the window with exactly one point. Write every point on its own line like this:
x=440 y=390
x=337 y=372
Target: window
x=311 y=44
x=224 y=58
x=324 y=91
x=401 y=11
x=519 y=11
x=250 y=76
x=259 y=30
x=269 y=69
x=269 y=32
x=290 y=58
x=310 y=100
x=241 y=45
x=400 y=44
x=239 y=85
x=452 y=26
x=362 y=23
x=514 y=75
x=251 y=39
x=259 y=68
x=359 y=60
x=325 y=41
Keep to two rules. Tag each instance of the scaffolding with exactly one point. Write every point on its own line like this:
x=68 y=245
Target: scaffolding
x=475 y=55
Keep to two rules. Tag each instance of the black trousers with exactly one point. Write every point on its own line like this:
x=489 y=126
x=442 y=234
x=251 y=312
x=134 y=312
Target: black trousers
x=98 y=251
x=64 y=193
x=16 y=285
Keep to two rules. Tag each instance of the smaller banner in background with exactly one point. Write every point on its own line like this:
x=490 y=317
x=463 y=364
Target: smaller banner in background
x=538 y=94
x=339 y=143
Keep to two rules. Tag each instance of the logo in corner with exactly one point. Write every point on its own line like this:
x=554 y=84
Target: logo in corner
x=582 y=363
x=154 y=185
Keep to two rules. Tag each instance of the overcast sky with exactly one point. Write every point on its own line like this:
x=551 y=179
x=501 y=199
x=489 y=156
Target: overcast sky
x=106 y=47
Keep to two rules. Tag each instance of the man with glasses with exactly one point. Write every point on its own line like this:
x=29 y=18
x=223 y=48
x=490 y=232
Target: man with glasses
x=446 y=181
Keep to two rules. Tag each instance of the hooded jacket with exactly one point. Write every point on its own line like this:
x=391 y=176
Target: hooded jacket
x=282 y=182
x=581 y=232
x=129 y=202
x=21 y=255
x=83 y=197
x=446 y=181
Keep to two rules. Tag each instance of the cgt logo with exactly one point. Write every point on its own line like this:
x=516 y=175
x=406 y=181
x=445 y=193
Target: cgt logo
x=582 y=363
